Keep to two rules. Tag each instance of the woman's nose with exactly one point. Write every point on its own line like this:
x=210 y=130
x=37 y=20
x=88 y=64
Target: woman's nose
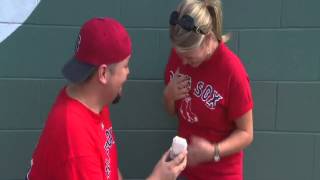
x=184 y=61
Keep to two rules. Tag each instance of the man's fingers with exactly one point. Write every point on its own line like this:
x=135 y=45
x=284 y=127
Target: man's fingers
x=180 y=162
x=165 y=155
x=179 y=159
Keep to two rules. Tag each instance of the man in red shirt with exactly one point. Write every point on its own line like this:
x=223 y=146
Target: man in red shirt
x=78 y=141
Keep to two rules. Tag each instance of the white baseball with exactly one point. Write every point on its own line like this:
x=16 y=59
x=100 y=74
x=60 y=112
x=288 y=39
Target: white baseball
x=178 y=145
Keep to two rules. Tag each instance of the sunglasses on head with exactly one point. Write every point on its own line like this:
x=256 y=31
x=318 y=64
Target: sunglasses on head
x=186 y=22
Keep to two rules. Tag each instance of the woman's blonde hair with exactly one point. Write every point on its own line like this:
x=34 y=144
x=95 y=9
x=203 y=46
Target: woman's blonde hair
x=207 y=15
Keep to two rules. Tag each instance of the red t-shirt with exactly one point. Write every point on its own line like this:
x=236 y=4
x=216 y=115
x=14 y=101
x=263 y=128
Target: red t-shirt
x=220 y=93
x=75 y=144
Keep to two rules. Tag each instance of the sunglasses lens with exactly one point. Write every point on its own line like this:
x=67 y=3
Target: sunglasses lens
x=187 y=22
x=174 y=18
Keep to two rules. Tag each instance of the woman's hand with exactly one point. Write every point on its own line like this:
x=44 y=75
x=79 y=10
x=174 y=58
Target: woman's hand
x=177 y=88
x=199 y=150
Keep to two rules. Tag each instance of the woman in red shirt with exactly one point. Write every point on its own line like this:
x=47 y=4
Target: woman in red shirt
x=208 y=88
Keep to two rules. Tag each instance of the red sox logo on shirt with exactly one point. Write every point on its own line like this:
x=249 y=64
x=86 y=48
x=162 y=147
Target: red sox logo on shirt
x=185 y=109
x=208 y=95
x=107 y=147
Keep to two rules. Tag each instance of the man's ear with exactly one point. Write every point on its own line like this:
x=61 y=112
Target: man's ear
x=103 y=74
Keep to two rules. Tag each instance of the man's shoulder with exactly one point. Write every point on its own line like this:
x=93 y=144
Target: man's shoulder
x=64 y=109
x=72 y=125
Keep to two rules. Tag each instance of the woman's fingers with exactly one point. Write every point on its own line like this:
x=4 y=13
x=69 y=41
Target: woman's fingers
x=183 y=84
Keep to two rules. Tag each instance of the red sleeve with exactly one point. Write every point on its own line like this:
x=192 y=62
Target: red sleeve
x=81 y=168
x=240 y=97
x=170 y=67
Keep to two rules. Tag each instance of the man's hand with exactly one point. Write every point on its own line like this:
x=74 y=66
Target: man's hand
x=169 y=170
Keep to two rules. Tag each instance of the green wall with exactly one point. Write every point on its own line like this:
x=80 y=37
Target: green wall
x=278 y=41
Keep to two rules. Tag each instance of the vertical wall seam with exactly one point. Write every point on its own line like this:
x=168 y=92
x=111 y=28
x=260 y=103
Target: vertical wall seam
x=281 y=13
x=238 y=43
x=277 y=106
x=314 y=163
